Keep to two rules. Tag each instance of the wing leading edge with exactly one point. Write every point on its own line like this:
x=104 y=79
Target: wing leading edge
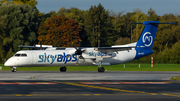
x=114 y=49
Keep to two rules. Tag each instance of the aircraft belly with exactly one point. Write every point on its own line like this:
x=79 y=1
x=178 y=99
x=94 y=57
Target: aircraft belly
x=125 y=56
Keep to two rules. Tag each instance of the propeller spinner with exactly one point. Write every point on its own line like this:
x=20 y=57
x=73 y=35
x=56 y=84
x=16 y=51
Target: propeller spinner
x=79 y=52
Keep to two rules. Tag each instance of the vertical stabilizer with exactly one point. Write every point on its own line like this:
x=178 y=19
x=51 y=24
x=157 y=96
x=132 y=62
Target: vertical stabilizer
x=148 y=34
x=146 y=40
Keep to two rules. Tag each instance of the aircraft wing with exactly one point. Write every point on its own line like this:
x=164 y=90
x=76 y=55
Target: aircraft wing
x=33 y=47
x=22 y=46
x=114 y=49
x=43 y=47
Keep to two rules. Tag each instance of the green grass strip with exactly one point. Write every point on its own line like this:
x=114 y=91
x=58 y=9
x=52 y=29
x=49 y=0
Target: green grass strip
x=175 y=78
x=119 y=67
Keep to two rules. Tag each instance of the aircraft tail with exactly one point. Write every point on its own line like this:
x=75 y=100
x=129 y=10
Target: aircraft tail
x=146 y=40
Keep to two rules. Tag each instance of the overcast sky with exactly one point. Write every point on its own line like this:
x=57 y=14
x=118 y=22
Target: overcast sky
x=161 y=7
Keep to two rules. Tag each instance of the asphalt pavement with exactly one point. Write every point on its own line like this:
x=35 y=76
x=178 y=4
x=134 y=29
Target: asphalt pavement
x=88 y=86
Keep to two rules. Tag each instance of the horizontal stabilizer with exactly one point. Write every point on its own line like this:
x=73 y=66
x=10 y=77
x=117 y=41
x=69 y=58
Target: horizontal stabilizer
x=152 y=22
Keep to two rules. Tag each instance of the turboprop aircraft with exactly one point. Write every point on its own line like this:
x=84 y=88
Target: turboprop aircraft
x=64 y=56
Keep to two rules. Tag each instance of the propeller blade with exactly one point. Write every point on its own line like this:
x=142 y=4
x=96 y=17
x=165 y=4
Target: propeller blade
x=81 y=57
x=84 y=60
x=79 y=52
x=80 y=44
x=74 y=46
x=77 y=60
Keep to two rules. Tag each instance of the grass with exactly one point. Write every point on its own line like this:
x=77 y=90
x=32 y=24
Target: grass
x=119 y=67
x=175 y=78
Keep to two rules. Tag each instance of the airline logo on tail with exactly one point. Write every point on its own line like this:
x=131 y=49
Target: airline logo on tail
x=147 y=39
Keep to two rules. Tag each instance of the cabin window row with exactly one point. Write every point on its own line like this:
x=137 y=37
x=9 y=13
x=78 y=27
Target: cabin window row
x=54 y=56
x=20 y=55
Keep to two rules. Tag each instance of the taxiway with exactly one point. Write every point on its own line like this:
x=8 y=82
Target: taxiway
x=123 y=85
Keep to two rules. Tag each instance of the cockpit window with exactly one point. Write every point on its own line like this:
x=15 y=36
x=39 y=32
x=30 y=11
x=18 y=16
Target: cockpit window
x=20 y=55
x=17 y=55
x=23 y=55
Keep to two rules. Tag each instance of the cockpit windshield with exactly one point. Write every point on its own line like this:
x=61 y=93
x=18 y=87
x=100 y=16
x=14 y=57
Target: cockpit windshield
x=20 y=55
x=17 y=55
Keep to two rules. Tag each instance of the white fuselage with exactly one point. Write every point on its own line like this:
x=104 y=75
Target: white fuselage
x=33 y=58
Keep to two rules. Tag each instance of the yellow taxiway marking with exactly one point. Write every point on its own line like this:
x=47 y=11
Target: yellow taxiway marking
x=18 y=94
x=29 y=95
x=114 y=89
x=64 y=94
x=86 y=94
x=97 y=94
x=130 y=92
x=170 y=95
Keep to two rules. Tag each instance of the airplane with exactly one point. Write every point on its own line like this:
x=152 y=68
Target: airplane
x=70 y=56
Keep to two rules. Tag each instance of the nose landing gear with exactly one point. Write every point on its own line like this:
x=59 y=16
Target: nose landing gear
x=13 y=69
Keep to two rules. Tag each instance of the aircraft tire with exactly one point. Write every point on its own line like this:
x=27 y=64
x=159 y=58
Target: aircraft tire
x=63 y=69
x=14 y=69
x=101 y=69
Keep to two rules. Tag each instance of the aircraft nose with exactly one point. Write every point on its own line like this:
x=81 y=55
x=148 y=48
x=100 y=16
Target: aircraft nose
x=8 y=62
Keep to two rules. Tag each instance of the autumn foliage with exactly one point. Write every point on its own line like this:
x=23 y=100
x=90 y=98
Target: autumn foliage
x=59 y=31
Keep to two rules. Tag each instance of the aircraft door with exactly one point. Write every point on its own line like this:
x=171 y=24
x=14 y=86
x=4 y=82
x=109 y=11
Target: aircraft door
x=34 y=58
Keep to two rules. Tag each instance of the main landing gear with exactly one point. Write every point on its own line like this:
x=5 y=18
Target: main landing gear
x=100 y=69
x=13 y=69
x=63 y=69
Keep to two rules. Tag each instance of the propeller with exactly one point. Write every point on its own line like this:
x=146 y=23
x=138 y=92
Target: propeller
x=79 y=52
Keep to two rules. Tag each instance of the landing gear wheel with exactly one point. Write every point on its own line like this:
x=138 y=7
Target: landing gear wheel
x=13 y=69
x=63 y=69
x=101 y=69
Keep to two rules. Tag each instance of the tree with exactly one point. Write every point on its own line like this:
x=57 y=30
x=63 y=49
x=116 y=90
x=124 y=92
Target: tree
x=138 y=17
x=97 y=27
x=167 y=34
x=152 y=16
x=32 y=3
x=171 y=55
x=18 y=26
x=59 y=31
x=122 y=41
x=123 y=25
x=76 y=15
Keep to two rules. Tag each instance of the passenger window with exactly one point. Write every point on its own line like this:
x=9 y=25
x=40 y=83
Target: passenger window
x=17 y=55
x=23 y=55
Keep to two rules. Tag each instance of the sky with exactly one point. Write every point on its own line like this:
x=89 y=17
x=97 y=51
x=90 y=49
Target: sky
x=161 y=7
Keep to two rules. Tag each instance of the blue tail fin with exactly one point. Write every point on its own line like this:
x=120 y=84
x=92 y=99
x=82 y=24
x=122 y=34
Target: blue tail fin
x=146 y=40
x=148 y=34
